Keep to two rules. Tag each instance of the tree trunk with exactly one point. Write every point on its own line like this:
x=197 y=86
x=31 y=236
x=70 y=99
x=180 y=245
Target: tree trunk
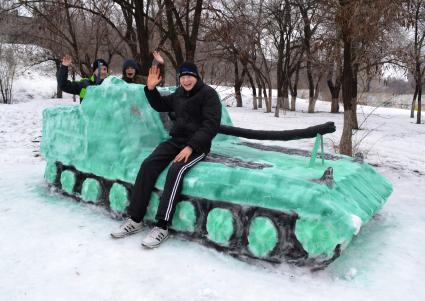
x=238 y=96
x=354 y=99
x=311 y=104
x=260 y=97
x=266 y=99
x=254 y=90
x=260 y=94
x=418 y=114
x=309 y=58
x=238 y=84
x=335 y=105
x=279 y=74
x=276 y=112
x=312 y=101
x=269 y=102
x=334 y=89
x=142 y=32
x=254 y=103
x=293 y=102
x=412 y=110
x=294 y=87
x=346 y=144
x=310 y=89
x=260 y=85
x=59 y=93
x=285 y=93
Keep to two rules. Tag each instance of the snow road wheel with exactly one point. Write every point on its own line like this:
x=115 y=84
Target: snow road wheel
x=51 y=172
x=91 y=190
x=220 y=225
x=68 y=180
x=184 y=217
x=152 y=208
x=118 y=198
x=262 y=237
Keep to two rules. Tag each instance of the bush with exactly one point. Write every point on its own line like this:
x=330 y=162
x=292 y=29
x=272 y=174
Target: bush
x=8 y=64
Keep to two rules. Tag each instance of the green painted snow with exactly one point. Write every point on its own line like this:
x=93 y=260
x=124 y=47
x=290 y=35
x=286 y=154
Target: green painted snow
x=152 y=208
x=91 y=190
x=115 y=128
x=220 y=225
x=184 y=218
x=50 y=172
x=118 y=198
x=262 y=237
x=68 y=180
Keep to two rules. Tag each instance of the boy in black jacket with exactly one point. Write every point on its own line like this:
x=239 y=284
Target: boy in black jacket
x=197 y=111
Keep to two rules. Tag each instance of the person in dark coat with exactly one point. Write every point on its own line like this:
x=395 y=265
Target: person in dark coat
x=197 y=110
x=131 y=70
x=99 y=73
x=131 y=73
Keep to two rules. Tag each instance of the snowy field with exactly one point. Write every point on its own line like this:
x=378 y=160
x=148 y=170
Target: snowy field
x=53 y=248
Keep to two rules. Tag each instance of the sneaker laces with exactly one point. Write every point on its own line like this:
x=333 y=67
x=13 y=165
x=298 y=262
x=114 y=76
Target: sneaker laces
x=128 y=225
x=154 y=234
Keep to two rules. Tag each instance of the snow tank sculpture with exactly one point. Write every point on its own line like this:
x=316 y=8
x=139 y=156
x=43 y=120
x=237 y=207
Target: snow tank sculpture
x=248 y=199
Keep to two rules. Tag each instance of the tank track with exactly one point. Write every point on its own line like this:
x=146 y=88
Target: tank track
x=287 y=248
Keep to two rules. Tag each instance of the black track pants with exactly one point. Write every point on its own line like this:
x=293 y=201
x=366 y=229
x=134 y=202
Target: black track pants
x=149 y=171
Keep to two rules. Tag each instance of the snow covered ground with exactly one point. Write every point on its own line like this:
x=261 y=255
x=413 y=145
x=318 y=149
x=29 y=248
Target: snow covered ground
x=53 y=248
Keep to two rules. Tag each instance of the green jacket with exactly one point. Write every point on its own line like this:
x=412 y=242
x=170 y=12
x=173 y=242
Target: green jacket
x=76 y=87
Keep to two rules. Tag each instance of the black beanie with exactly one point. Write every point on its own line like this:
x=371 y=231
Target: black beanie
x=98 y=62
x=130 y=63
x=188 y=68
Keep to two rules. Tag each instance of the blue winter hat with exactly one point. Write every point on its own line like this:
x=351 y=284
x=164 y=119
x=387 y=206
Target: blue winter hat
x=188 y=68
x=130 y=63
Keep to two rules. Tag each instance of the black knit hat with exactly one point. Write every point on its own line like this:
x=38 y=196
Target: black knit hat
x=188 y=68
x=130 y=63
x=98 y=62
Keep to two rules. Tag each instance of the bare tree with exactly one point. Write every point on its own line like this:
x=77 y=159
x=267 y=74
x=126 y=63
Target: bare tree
x=63 y=28
x=181 y=26
x=413 y=55
x=230 y=25
x=359 y=21
x=283 y=20
x=311 y=16
x=8 y=64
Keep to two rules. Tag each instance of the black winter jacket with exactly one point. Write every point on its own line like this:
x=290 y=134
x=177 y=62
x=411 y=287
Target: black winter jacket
x=197 y=114
x=137 y=79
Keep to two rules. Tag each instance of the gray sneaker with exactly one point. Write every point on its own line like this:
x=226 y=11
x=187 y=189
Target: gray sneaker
x=155 y=238
x=128 y=227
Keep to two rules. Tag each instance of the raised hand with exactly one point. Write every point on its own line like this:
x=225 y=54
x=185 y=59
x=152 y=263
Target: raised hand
x=184 y=154
x=154 y=77
x=67 y=60
x=158 y=57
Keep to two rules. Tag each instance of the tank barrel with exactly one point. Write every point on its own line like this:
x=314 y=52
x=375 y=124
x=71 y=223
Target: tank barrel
x=310 y=132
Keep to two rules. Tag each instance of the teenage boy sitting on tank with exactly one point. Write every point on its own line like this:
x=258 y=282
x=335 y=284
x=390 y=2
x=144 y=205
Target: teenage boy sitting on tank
x=197 y=111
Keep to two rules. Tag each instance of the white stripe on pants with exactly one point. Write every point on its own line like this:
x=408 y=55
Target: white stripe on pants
x=176 y=184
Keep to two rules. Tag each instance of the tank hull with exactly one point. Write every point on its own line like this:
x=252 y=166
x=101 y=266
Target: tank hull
x=250 y=200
